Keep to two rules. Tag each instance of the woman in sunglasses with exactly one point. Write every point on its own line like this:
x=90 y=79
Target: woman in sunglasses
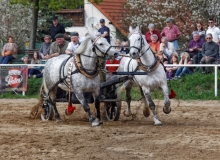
x=210 y=52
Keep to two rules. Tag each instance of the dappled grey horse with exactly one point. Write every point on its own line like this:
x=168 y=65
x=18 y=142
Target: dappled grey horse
x=78 y=74
x=144 y=60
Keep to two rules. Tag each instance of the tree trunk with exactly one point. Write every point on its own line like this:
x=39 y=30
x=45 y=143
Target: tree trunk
x=34 y=24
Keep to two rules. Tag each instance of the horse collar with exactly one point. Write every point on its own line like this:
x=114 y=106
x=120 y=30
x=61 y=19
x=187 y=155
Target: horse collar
x=151 y=68
x=82 y=70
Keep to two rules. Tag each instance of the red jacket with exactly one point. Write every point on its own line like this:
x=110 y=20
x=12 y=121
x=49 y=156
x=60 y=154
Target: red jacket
x=112 y=69
x=148 y=34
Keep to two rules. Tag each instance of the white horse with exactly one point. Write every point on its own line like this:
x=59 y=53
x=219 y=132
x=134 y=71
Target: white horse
x=84 y=77
x=144 y=60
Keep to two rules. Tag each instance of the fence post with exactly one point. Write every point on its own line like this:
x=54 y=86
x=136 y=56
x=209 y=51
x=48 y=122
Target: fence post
x=216 y=81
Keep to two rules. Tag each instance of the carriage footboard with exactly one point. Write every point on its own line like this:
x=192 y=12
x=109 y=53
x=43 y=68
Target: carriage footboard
x=113 y=81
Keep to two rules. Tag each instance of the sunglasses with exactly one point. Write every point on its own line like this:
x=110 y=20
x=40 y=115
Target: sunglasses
x=209 y=38
x=210 y=22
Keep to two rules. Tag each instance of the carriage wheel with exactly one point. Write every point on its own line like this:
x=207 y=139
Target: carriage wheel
x=113 y=109
x=48 y=112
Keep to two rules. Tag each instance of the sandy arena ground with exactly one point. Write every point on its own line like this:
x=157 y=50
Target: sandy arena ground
x=190 y=131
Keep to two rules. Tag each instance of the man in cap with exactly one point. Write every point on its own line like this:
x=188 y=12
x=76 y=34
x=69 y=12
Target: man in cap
x=59 y=46
x=56 y=28
x=104 y=30
x=171 y=32
x=152 y=31
x=75 y=42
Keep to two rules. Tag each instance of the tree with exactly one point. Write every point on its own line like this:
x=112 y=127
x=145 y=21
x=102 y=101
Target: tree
x=15 y=21
x=185 y=13
x=53 y=5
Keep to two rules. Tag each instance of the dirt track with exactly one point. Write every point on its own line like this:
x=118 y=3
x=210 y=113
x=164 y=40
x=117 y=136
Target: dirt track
x=190 y=131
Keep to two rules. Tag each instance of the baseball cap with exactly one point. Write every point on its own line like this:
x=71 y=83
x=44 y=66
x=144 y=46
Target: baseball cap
x=54 y=18
x=102 y=20
x=74 y=33
x=59 y=35
x=168 y=19
x=151 y=25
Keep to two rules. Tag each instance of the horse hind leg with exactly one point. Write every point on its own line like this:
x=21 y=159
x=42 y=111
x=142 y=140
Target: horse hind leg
x=128 y=86
x=146 y=110
x=152 y=108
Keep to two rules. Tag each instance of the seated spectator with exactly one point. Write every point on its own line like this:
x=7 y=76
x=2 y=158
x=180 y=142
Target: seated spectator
x=171 y=70
x=198 y=29
x=75 y=42
x=210 y=51
x=111 y=69
x=45 y=48
x=59 y=46
x=167 y=47
x=181 y=71
x=25 y=59
x=163 y=59
x=35 y=71
x=194 y=47
x=152 y=31
x=9 y=51
x=124 y=49
x=154 y=45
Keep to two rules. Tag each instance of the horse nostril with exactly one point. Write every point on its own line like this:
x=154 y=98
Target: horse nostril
x=116 y=55
x=134 y=53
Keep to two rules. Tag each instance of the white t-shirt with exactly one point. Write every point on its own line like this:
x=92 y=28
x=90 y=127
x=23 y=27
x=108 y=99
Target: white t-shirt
x=215 y=31
x=72 y=47
x=169 y=48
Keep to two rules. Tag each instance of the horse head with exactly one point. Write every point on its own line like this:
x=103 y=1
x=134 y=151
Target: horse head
x=137 y=41
x=101 y=46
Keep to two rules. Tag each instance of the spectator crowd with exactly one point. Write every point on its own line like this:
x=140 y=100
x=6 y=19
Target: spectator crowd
x=203 y=47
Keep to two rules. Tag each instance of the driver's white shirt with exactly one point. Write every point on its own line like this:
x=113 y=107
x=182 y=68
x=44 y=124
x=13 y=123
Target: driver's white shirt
x=72 y=47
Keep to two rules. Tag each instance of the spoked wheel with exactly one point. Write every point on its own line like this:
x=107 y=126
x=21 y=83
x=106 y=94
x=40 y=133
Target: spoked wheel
x=113 y=109
x=48 y=112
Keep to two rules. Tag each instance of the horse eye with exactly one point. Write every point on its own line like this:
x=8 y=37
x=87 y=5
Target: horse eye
x=100 y=44
x=139 y=39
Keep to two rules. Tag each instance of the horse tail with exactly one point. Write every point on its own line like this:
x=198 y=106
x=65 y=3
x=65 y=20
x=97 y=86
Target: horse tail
x=37 y=109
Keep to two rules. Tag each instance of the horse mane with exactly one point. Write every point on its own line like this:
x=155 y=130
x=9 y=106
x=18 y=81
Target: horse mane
x=82 y=47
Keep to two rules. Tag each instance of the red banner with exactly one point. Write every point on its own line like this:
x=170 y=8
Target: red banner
x=13 y=78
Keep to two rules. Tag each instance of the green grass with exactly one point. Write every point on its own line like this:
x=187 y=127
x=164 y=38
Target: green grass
x=196 y=86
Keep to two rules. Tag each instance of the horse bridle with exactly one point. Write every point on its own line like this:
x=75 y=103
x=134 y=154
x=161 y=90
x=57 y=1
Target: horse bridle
x=96 y=47
x=149 y=68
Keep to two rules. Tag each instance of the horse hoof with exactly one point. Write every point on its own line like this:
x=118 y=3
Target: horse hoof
x=58 y=121
x=146 y=112
x=126 y=114
x=95 y=124
x=158 y=124
x=167 y=112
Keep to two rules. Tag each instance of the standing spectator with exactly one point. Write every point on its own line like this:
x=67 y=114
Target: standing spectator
x=59 y=46
x=111 y=69
x=210 y=50
x=104 y=30
x=198 y=29
x=167 y=47
x=215 y=31
x=9 y=51
x=194 y=47
x=171 y=32
x=45 y=48
x=118 y=49
x=75 y=42
x=181 y=71
x=35 y=71
x=56 y=28
x=154 y=44
x=170 y=71
x=152 y=31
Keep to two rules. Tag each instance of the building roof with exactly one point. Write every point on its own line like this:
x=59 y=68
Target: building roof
x=113 y=10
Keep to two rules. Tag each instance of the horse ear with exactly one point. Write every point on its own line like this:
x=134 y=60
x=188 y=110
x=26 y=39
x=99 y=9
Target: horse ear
x=130 y=29
x=138 y=29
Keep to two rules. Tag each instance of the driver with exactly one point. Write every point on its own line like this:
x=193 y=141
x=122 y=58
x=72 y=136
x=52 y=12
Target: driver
x=74 y=44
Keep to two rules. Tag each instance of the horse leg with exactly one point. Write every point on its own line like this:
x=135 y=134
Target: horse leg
x=97 y=105
x=152 y=108
x=128 y=86
x=53 y=101
x=166 y=108
x=85 y=105
x=146 y=110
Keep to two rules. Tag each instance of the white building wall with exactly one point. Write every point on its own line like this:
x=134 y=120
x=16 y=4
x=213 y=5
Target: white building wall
x=91 y=11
